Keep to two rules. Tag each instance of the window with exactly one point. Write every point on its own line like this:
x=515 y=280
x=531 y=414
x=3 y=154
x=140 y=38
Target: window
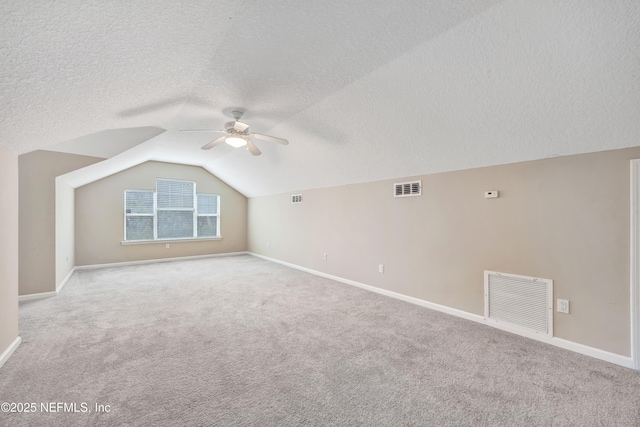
x=207 y=215
x=139 y=217
x=173 y=211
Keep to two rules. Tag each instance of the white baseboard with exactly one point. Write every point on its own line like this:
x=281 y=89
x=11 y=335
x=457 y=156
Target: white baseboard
x=618 y=359
x=64 y=281
x=9 y=351
x=155 y=261
x=412 y=300
x=41 y=295
x=558 y=342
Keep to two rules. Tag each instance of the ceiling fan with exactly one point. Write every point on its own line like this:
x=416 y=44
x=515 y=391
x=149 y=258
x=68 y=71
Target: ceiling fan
x=238 y=135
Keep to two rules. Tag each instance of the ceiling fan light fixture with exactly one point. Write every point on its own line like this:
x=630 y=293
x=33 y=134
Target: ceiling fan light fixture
x=236 y=141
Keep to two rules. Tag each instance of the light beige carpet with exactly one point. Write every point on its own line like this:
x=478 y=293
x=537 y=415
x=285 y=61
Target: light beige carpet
x=241 y=341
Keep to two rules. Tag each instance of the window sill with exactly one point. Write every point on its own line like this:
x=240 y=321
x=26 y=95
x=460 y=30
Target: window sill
x=146 y=242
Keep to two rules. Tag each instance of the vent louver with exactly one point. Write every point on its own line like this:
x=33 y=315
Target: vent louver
x=404 y=189
x=296 y=198
x=522 y=303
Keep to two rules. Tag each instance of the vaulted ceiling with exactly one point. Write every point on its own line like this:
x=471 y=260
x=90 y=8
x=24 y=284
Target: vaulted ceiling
x=363 y=90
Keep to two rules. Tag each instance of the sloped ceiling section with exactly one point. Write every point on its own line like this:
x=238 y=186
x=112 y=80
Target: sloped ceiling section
x=107 y=143
x=364 y=90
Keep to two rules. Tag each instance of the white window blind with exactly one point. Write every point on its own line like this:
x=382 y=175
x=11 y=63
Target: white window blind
x=174 y=194
x=139 y=215
x=207 y=215
x=176 y=208
x=173 y=211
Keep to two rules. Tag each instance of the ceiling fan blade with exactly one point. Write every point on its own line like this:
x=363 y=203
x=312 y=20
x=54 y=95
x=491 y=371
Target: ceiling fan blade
x=202 y=130
x=269 y=138
x=213 y=143
x=252 y=148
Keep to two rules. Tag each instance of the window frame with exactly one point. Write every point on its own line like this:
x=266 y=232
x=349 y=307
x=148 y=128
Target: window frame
x=217 y=215
x=154 y=215
x=193 y=210
x=126 y=214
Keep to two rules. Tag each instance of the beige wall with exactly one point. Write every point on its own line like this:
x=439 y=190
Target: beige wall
x=8 y=248
x=565 y=219
x=99 y=216
x=37 y=171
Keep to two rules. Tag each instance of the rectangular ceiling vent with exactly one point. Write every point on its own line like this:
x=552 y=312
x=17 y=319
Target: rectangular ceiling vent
x=404 y=189
x=296 y=198
x=524 y=304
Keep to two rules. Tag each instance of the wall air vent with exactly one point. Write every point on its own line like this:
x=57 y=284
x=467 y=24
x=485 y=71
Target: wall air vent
x=404 y=189
x=522 y=304
x=296 y=198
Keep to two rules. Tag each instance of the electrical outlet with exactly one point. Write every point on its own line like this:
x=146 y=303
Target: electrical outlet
x=167 y=246
x=324 y=256
x=381 y=268
x=563 y=306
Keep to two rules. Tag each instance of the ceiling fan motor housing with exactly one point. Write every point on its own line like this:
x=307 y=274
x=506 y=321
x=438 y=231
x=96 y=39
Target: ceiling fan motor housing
x=236 y=127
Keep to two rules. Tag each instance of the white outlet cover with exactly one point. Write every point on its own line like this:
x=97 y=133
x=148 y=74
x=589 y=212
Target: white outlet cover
x=563 y=306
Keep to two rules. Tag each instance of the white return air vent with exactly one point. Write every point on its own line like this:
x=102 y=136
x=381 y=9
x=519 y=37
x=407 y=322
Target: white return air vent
x=404 y=189
x=296 y=198
x=522 y=304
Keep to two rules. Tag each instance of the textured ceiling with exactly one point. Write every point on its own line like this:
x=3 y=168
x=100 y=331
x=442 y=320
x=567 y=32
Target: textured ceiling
x=364 y=90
